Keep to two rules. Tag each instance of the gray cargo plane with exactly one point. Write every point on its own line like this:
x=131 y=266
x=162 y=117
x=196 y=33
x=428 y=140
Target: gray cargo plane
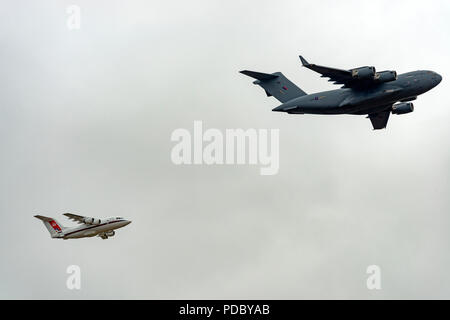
x=364 y=92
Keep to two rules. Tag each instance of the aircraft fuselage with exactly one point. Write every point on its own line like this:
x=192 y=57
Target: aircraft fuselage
x=377 y=98
x=91 y=230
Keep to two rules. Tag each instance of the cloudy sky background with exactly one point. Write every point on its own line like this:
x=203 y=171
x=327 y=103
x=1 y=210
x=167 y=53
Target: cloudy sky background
x=85 y=125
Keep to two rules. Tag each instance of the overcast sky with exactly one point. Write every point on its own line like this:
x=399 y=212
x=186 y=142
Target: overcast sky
x=85 y=125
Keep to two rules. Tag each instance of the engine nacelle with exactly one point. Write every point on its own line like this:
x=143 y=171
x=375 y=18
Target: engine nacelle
x=110 y=233
x=364 y=73
x=91 y=221
x=385 y=76
x=402 y=108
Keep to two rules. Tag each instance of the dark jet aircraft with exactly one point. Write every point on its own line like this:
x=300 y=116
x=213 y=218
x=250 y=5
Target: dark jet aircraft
x=364 y=91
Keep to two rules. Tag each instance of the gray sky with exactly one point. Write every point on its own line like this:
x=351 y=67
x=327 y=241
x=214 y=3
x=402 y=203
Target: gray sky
x=86 y=119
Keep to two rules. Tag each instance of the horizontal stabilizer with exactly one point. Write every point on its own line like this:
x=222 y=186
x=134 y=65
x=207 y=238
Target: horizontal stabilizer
x=259 y=75
x=276 y=85
x=43 y=218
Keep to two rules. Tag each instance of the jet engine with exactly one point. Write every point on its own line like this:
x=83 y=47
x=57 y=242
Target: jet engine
x=364 y=73
x=385 y=76
x=402 y=108
x=110 y=233
x=91 y=221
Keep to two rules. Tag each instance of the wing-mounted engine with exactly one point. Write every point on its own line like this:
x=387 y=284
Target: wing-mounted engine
x=106 y=235
x=363 y=73
x=385 y=76
x=88 y=220
x=402 y=108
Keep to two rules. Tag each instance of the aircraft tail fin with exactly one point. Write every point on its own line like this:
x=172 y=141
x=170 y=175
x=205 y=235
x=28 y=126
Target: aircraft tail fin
x=276 y=85
x=53 y=226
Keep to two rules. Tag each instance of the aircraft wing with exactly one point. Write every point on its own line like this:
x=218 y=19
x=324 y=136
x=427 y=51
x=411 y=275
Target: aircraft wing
x=337 y=75
x=380 y=119
x=75 y=217
x=357 y=78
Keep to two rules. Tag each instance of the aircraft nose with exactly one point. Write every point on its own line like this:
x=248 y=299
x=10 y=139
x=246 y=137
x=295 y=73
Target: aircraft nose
x=127 y=222
x=438 y=78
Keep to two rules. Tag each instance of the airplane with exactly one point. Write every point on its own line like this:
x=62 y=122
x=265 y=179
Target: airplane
x=90 y=227
x=364 y=92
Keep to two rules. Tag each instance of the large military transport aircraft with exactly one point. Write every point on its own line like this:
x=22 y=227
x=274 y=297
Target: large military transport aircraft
x=90 y=227
x=364 y=92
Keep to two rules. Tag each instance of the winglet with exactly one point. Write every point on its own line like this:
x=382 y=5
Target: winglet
x=304 y=62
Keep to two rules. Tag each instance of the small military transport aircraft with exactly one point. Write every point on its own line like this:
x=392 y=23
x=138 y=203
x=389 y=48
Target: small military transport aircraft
x=364 y=92
x=90 y=227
